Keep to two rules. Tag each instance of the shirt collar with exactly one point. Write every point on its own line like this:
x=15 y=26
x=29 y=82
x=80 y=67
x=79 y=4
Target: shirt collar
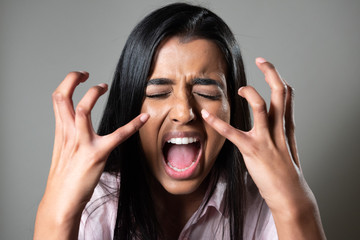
x=217 y=199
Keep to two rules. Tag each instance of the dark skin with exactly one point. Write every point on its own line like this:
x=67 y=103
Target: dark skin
x=170 y=208
x=185 y=75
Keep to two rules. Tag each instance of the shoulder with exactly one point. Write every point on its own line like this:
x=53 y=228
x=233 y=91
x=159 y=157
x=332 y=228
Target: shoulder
x=259 y=223
x=99 y=216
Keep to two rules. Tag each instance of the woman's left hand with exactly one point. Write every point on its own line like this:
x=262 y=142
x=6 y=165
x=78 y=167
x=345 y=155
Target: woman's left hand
x=271 y=157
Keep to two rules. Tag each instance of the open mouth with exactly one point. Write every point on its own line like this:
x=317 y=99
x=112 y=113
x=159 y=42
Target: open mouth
x=181 y=154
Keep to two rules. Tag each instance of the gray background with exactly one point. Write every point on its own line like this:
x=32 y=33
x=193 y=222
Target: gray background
x=314 y=44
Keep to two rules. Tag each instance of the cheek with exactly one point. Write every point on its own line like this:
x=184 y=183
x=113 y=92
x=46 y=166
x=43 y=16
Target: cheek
x=224 y=112
x=214 y=143
x=147 y=144
x=157 y=110
x=220 y=109
x=149 y=133
x=215 y=140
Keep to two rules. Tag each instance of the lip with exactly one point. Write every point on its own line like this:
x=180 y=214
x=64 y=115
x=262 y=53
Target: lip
x=179 y=175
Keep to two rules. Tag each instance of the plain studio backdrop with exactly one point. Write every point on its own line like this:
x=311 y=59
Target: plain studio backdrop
x=314 y=45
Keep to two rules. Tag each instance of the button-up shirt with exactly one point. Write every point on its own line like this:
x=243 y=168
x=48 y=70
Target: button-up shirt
x=99 y=217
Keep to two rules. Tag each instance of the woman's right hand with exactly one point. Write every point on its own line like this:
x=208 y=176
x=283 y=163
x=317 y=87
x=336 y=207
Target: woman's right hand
x=79 y=157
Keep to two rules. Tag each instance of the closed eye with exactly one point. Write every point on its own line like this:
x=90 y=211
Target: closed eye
x=207 y=88
x=158 y=95
x=211 y=97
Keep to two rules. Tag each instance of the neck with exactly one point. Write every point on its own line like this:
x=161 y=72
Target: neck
x=174 y=211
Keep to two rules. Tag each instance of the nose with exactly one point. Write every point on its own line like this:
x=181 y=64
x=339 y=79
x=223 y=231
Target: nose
x=182 y=111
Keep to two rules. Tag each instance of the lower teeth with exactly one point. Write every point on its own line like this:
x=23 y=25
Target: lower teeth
x=178 y=169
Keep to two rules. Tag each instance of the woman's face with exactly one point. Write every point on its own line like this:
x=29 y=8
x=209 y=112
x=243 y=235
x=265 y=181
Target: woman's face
x=180 y=148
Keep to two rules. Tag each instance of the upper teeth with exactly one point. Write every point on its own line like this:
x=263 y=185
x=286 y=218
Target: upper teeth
x=184 y=140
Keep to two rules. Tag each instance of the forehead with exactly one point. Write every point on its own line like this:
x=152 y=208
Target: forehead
x=194 y=57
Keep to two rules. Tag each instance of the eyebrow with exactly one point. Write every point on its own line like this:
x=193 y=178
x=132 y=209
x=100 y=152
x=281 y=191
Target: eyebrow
x=195 y=81
x=160 y=81
x=207 y=81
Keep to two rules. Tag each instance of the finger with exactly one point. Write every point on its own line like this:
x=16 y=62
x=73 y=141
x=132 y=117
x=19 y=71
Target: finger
x=64 y=111
x=258 y=106
x=290 y=124
x=223 y=128
x=121 y=134
x=83 y=110
x=278 y=92
x=64 y=121
x=68 y=85
x=58 y=126
x=63 y=95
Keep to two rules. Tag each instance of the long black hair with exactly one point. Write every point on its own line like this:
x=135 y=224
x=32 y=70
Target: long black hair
x=136 y=216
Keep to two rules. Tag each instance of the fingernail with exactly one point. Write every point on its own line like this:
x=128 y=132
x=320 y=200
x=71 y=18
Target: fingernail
x=144 y=117
x=260 y=60
x=83 y=72
x=204 y=113
x=103 y=85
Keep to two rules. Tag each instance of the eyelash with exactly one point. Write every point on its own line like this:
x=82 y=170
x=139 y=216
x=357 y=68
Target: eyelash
x=163 y=95
x=160 y=95
x=211 y=97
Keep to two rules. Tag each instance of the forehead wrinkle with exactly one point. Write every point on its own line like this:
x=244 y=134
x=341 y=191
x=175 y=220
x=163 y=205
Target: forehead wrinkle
x=210 y=63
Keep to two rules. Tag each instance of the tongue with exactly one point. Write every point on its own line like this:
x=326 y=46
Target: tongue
x=182 y=156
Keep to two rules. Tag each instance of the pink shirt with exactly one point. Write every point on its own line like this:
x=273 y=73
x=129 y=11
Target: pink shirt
x=99 y=216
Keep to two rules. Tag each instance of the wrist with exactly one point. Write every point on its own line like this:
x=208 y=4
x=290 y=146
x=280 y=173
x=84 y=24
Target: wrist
x=299 y=221
x=56 y=222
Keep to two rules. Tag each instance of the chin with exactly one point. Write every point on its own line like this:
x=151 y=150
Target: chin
x=181 y=187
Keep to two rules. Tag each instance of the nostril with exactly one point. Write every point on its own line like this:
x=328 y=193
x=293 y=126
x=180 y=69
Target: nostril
x=183 y=115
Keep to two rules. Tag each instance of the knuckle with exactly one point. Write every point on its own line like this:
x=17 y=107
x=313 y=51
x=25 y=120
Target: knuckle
x=127 y=130
x=68 y=140
x=226 y=130
x=134 y=126
x=81 y=111
x=122 y=136
x=269 y=67
x=210 y=119
x=259 y=107
x=57 y=96
x=280 y=88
